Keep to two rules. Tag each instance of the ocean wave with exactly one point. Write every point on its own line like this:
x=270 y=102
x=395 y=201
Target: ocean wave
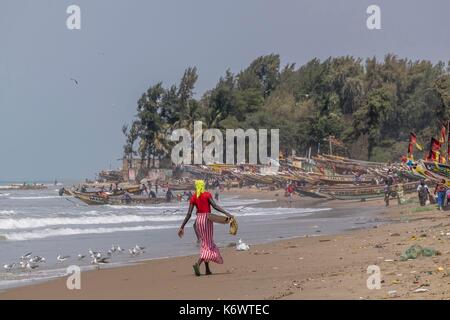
x=7 y=212
x=4 y=194
x=26 y=223
x=34 y=198
x=47 y=233
x=154 y=207
x=248 y=211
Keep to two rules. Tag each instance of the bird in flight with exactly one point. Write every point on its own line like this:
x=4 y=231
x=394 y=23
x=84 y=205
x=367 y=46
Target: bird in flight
x=74 y=80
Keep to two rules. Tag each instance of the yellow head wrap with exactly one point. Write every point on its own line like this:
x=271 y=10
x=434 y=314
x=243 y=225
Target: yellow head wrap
x=199 y=187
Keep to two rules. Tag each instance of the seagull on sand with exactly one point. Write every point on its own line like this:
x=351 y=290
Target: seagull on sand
x=113 y=248
x=134 y=252
x=139 y=248
x=37 y=259
x=26 y=256
x=81 y=256
x=119 y=249
x=61 y=258
x=100 y=260
x=30 y=266
x=9 y=267
x=94 y=254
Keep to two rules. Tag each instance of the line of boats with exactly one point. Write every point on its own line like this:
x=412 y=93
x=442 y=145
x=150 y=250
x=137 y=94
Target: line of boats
x=331 y=177
x=323 y=176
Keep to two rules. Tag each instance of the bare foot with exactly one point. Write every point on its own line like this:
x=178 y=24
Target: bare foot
x=196 y=269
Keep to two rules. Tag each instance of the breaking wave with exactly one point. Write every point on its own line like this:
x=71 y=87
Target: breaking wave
x=47 y=233
x=34 y=198
x=26 y=223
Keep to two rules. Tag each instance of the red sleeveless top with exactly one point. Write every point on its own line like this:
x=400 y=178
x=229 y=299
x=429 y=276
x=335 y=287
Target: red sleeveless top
x=202 y=203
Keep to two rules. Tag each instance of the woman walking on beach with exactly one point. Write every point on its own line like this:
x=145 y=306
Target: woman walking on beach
x=203 y=201
x=440 y=191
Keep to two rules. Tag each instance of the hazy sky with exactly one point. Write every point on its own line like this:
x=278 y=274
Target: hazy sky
x=51 y=128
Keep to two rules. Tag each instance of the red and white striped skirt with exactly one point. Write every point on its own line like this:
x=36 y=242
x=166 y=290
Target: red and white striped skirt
x=208 y=249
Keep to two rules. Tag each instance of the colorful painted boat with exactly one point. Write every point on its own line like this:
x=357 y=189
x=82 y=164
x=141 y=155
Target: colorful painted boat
x=117 y=200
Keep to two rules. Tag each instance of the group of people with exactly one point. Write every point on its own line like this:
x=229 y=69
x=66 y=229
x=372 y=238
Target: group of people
x=144 y=189
x=440 y=195
x=441 y=192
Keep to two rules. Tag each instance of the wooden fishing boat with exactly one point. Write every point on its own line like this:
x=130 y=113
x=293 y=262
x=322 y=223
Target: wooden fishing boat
x=312 y=193
x=367 y=193
x=345 y=179
x=137 y=200
x=133 y=190
x=345 y=164
x=67 y=192
x=117 y=200
x=182 y=186
x=440 y=169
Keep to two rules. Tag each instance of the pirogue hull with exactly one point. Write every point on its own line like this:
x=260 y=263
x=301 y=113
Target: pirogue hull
x=99 y=200
x=365 y=193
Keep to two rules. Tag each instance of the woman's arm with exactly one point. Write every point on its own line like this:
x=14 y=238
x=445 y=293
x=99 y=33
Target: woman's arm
x=188 y=216
x=219 y=208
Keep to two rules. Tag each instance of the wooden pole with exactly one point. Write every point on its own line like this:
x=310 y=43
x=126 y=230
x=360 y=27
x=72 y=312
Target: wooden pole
x=331 y=146
x=446 y=138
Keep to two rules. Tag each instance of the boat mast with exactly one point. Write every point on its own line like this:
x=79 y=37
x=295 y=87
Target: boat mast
x=446 y=138
x=331 y=145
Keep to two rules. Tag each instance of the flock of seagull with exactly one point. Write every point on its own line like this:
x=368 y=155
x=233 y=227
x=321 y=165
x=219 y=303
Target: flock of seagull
x=29 y=262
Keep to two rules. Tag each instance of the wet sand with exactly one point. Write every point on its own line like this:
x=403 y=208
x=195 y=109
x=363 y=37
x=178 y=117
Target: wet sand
x=313 y=267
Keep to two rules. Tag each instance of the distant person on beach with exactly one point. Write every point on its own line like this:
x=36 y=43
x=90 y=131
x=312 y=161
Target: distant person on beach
x=152 y=194
x=126 y=198
x=388 y=188
x=423 y=192
x=290 y=192
x=143 y=189
x=149 y=184
x=216 y=193
x=203 y=201
x=169 y=195
x=440 y=191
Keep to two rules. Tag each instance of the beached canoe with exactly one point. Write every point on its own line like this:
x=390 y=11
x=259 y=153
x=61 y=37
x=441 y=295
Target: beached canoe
x=366 y=193
x=117 y=200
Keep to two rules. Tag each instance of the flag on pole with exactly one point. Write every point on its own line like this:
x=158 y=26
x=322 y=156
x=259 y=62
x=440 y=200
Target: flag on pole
x=443 y=134
x=433 y=154
x=413 y=141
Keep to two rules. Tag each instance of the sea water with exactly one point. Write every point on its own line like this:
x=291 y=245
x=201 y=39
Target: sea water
x=46 y=224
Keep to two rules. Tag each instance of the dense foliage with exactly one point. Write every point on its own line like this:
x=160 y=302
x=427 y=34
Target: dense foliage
x=371 y=105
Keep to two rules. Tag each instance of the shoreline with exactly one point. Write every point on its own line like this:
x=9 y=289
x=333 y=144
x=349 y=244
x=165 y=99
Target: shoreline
x=285 y=268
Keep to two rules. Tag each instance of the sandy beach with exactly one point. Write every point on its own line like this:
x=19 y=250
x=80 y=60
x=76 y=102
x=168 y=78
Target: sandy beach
x=310 y=267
